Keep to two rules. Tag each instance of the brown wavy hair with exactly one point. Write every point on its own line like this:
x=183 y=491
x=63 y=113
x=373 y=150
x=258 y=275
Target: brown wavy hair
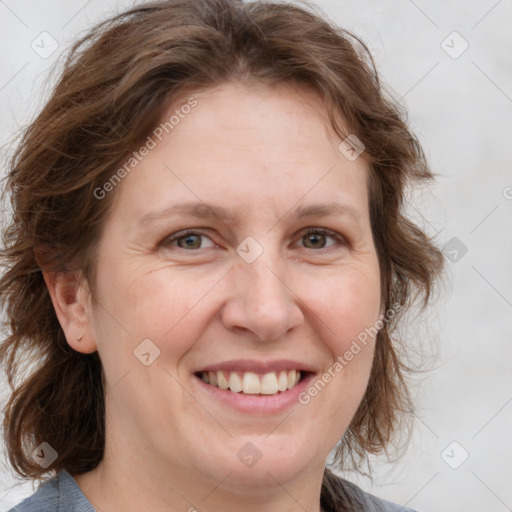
x=116 y=83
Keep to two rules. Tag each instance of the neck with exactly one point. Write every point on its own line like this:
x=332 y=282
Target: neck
x=111 y=488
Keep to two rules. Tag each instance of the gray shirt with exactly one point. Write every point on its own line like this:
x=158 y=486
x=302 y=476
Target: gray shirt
x=62 y=494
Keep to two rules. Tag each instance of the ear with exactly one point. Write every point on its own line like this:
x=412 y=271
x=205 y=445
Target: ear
x=71 y=301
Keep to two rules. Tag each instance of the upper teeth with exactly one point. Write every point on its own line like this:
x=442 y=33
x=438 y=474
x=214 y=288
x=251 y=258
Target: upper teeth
x=252 y=383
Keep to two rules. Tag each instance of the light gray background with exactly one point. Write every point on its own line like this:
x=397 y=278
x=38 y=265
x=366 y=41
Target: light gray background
x=461 y=108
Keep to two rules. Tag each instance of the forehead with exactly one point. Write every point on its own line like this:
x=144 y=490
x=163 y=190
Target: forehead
x=246 y=147
x=255 y=115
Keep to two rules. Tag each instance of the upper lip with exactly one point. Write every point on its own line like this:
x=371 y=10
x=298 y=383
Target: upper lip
x=251 y=365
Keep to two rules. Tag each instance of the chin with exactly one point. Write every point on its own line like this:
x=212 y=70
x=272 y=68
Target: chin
x=260 y=461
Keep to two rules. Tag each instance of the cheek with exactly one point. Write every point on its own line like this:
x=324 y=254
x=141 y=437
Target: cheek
x=349 y=304
x=162 y=305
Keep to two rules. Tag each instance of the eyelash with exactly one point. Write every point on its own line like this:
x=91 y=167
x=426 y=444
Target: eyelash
x=309 y=231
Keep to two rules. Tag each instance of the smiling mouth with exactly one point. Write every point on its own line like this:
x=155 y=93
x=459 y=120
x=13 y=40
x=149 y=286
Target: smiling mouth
x=250 y=383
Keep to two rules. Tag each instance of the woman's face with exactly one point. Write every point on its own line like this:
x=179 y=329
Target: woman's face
x=241 y=243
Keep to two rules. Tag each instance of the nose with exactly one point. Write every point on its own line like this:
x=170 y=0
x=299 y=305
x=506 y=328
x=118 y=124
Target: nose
x=261 y=301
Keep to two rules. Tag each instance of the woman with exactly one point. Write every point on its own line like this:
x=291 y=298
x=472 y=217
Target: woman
x=207 y=259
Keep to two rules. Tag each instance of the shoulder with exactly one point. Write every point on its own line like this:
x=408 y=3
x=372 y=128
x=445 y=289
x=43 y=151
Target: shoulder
x=341 y=495
x=59 y=494
x=376 y=504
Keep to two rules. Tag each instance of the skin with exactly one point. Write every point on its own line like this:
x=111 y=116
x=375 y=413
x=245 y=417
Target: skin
x=261 y=152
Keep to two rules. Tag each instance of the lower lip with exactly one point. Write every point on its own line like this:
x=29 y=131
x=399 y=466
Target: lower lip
x=257 y=404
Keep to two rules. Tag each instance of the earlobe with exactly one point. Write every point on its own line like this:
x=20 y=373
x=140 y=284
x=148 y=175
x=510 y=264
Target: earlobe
x=72 y=306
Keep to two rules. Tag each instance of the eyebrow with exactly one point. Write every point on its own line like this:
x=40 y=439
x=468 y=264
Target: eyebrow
x=324 y=210
x=208 y=211
x=199 y=210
